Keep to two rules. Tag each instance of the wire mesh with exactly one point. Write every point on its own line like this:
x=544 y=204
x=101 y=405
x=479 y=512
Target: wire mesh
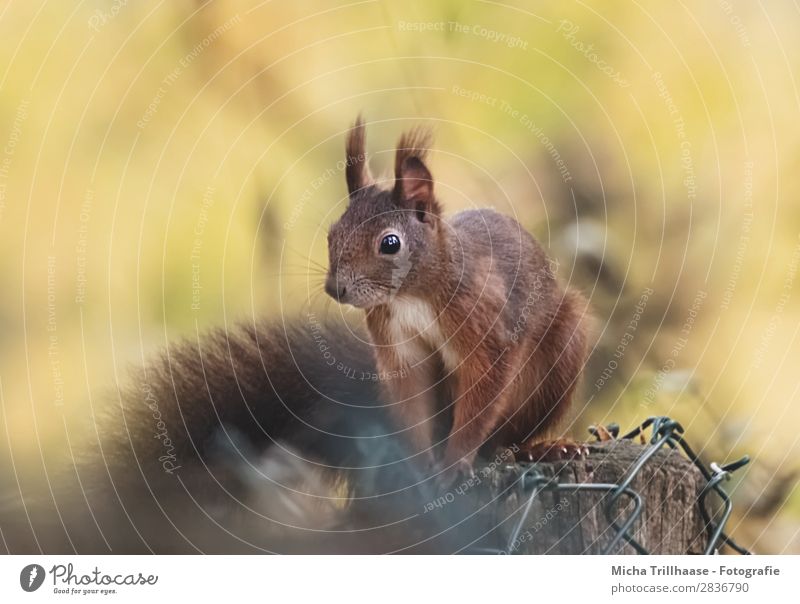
x=665 y=432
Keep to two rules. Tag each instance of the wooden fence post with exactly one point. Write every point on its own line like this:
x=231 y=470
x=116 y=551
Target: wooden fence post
x=569 y=522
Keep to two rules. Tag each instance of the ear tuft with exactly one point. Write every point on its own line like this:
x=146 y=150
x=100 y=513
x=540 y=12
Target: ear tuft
x=356 y=168
x=413 y=187
x=412 y=144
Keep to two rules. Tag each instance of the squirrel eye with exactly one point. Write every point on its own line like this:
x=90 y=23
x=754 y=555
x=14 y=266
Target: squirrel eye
x=390 y=244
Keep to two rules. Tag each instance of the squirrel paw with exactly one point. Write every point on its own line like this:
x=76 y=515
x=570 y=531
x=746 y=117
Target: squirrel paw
x=561 y=449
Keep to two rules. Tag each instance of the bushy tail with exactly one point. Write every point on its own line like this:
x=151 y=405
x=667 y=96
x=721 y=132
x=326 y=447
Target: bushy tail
x=263 y=438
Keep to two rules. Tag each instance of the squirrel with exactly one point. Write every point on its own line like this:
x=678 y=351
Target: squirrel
x=277 y=436
x=466 y=311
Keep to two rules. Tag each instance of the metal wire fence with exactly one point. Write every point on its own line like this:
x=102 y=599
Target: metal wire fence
x=665 y=432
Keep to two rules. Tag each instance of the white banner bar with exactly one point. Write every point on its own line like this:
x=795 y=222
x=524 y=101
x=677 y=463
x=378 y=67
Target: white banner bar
x=401 y=579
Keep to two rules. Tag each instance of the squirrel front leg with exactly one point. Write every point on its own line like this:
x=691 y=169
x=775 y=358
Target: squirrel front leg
x=412 y=405
x=478 y=408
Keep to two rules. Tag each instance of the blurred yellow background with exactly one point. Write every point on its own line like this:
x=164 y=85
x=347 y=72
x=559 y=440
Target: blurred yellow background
x=170 y=166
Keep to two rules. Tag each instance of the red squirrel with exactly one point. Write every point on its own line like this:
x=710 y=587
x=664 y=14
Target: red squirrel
x=466 y=310
x=215 y=445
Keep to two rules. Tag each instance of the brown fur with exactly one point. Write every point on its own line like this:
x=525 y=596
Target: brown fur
x=488 y=345
x=245 y=440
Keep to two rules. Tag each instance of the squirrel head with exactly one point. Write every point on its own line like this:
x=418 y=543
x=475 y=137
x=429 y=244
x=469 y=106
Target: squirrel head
x=387 y=241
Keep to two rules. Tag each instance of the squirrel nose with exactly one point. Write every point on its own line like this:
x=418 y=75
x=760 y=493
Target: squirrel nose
x=335 y=288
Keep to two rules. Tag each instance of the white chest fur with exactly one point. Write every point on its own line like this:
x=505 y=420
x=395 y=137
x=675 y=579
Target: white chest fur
x=416 y=332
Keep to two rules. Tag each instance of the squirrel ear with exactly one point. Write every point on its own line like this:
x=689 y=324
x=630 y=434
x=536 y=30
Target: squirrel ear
x=356 y=168
x=413 y=187
x=414 y=182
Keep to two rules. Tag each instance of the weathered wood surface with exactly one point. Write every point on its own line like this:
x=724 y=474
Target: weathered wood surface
x=576 y=523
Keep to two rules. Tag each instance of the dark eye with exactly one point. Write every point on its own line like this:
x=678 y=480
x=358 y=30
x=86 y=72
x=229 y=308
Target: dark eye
x=390 y=244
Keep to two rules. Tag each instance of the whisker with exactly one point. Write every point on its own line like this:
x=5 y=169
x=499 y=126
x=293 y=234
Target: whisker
x=309 y=267
x=282 y=274
x=304 y=269
x=308 y=259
